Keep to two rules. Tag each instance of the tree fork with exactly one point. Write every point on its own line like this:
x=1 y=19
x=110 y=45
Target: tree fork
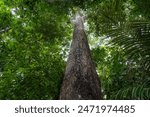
x=81 y=81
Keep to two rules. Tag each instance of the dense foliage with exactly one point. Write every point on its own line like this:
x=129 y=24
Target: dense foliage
x=35 y=37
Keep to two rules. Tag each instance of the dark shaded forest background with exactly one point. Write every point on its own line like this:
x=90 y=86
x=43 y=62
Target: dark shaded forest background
x=35 y=37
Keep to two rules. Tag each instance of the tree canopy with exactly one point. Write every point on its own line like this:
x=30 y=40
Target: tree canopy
x=35 y=37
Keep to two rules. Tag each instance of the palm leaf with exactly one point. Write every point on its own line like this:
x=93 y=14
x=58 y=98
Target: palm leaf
x=135 y=92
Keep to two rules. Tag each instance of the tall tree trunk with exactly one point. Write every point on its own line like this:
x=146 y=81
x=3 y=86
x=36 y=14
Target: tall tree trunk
x=81 y=80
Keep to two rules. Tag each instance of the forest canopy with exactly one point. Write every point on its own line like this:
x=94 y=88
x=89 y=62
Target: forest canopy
x=35 y=37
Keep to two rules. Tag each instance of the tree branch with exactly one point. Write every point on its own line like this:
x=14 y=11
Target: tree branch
x=5 y=30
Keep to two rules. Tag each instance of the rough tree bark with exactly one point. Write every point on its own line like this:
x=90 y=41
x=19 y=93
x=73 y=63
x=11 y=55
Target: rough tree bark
x=81 y=81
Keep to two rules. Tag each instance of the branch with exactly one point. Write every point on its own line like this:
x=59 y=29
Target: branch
x=5 y=30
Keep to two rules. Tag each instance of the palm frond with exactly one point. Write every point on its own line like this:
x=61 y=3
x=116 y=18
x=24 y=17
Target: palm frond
x=136 y=42
x=134 y=92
